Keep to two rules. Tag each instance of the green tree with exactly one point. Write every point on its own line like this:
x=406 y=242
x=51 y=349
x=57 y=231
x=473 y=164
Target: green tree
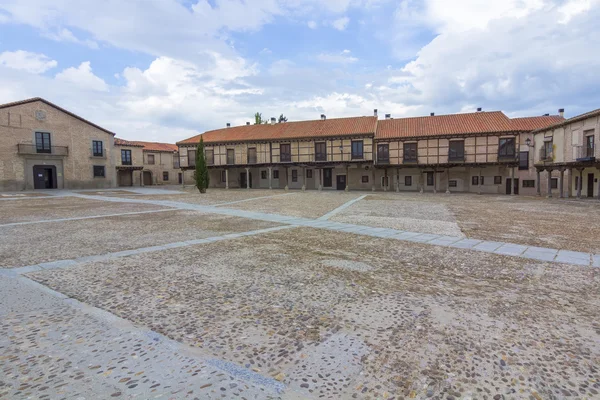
x=201 y=175
x=282 y=118
x=258 y=119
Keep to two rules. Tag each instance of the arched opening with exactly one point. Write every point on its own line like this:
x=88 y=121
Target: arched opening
x=147 y=178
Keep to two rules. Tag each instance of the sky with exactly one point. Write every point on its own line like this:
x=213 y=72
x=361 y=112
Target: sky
x=165 y=70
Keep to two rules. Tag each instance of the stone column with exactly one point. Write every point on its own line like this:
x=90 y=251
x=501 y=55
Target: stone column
x=580 y=183
x=270 y=177
x=373 y=180
x=598 y=195
x=549 y=184
x=347 y=179
x=141 y=178
x=182 y=178
x=538 y=182
x=447 y=180
x=226 y=179
x=303 y=179
x=421 y=182
x=385 y=180
x=320 y=179
x=397 y=180
x=512 y=181
x=434 y=182
x=569 y=182
x=560 y=184
x=479 y=182
x=247 y=178
x=286 y=179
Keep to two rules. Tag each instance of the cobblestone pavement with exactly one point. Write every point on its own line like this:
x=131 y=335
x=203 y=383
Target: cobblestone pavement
x=53 y=349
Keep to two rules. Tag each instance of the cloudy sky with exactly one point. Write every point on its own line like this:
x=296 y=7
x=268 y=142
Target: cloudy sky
x=164 y=70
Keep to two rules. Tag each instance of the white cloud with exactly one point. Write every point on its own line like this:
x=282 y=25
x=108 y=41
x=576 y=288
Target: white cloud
x=83 y=77
x=341 y=23
x=34 y=63
x=65 y=35
x=266 y=51
x=312 y=24
x=341 y=58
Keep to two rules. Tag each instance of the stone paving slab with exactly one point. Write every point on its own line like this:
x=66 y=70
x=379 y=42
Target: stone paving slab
x=540 y=253
x=444 y=240
x=509 y=249
x=466 y=243
x=573 y=257
x=488 y=246
x=596 y=260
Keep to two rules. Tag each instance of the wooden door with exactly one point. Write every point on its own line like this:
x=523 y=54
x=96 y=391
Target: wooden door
x=590 y=185
x=341 y=182
x=327 y=177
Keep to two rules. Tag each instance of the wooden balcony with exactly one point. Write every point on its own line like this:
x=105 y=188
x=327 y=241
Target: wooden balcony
x=32 y=149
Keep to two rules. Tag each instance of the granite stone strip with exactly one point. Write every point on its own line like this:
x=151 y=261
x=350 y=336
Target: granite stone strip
x=252 y=199
x=508 y=249
x=596 y=260
x=340 y=208
x=87 y=217
x=109 y=256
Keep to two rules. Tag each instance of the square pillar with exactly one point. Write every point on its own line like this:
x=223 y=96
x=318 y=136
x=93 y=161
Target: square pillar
x=373 y=179
x=538 y=182
x=320 y=179
x=512 y=181
x=421 y=181
x=303 y=179
x=286 y=179
x=347 y=180
x=141 y=178
x=226 y=179
x=247 y=178
x=447 y=180
x=397 y=180
x=434 y=182
x=479 y=182
x=549 y=184
x=598 y=195
x=270 y=177
x=580 y=183
x=385 y=180
x=569 y=183
x=560 y=183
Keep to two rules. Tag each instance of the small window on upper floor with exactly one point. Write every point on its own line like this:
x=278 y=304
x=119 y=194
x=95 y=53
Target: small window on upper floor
x=357 y=149
x=285 y=152
x=230 y=156
x=97 y=150
x=151 y=159
x=126 y=157
x=42 y=142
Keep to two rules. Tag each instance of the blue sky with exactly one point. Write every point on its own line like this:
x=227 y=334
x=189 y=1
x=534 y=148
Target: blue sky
x=164 y=70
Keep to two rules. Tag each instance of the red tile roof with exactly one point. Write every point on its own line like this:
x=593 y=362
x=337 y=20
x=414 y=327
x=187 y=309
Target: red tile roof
x=576 y=118
x=155 y=146
x=532 y=123
x=123 y=142
x=34 y=99
x=290 y=130
x=439 y=125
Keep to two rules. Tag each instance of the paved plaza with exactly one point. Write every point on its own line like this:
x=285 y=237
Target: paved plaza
x=267 y=294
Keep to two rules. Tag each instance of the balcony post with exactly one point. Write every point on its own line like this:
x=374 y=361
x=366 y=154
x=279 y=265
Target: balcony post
x=270 y=177
x=538 y=182
x=247 y=178
x=512 y=181
x=226 y=178
x=560 y=183
x=549 y=183
x=580 y=182
x=447 y=180
x=397 y=180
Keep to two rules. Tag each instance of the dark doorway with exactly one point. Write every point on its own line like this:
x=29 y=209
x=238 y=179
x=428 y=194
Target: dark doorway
x=180 y=178
x=243 y=183
x=125 y=178
x=515 y=183
x=590 y=187
x=327 y=177
x=147 y=177
x=340 y=182
x=44 y=177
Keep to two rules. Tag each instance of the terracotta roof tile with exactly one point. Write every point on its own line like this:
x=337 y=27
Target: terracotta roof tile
x=123 y=142
x=289 y=130
x=156 y=146
x=439 y=125
x=34 y=99
x=576 y=118
x=531 y=123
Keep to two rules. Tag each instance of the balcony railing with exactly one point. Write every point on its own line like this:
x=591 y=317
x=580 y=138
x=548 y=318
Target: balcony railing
x=585 y=153
x=251 y=159
x=320 y=156
x=176 y=164
x=286 y=157
x=31 y=149
x=383 y=160
x=452 y=156
x=546 y=154
x=507 y=157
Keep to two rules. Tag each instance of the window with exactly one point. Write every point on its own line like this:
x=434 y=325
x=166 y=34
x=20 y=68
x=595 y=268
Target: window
x=365 y=179
x=357 y=149
x=192 y=158
x=497 y=180
x=383 y=153
x=481 y=180
x=230 y=156
x=210 y=156
x=294 y=175
x=309 y=173
x=453 y=183
x=252 y=155
x=175 y=160
x=321 y=151
x=589 y=144
x=547 y=150
x=410 y=152
x=99 y=171
x=276 y=174
x=97 y=150
x=42 y=142
x=385 y=181
x=528 y=183
x=554 y=183
x=474 y=180
x=223 y=176
x=408 y=181
x=430 y=179
x=456 y=151
x=263 y=174
x=285 y=152
x=151 y=159
x=523 y=160
x=165 y=175
x=506 y=148
x=126 y=157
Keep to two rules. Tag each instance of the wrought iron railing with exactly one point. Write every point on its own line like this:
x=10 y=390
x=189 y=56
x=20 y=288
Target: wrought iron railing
x=29 y=149
x=546 y=154
x=585 y=152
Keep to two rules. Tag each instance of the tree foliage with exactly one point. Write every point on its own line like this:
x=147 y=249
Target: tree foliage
x=202 y=178
x=282 y=118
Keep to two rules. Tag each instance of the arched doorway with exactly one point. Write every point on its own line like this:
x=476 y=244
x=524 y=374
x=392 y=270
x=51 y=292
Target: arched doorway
x=147 y=178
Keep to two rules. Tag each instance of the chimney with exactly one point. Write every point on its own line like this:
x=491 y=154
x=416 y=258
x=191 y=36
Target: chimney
x=432 y=114
x=323 y=117
x=478 y=109
x=375 y=112
x=228 y=125
x=247 y=123
x=545 y=115
x=273 y=120
x=561 y=112
x=388 y=116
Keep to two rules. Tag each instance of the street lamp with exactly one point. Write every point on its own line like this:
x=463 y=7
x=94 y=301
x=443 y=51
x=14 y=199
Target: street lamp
x=528 y=142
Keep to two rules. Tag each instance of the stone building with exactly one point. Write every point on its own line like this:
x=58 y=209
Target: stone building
x=129 y=163
x=147 y=163
x=43 y=146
